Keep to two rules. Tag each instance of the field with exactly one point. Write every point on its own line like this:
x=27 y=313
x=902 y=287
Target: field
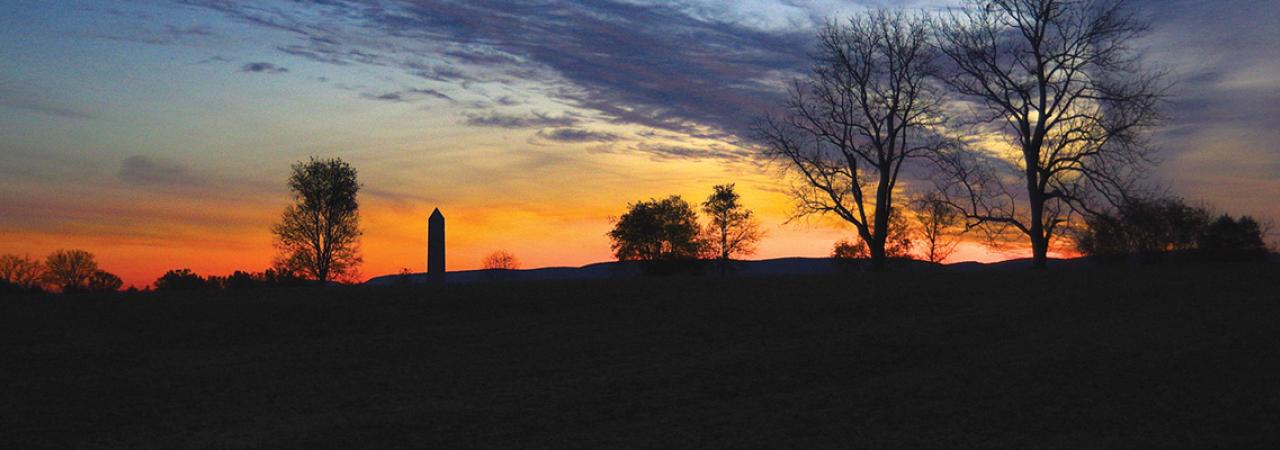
x=1091 y=357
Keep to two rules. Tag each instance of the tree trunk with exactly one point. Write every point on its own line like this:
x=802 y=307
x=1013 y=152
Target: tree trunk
x=1039 y=242
x=877 y=256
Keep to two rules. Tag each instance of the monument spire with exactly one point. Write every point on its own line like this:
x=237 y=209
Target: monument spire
x=435 y=247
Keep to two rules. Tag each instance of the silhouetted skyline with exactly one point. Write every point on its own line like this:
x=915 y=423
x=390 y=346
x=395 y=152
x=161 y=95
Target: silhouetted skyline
x=157 y=134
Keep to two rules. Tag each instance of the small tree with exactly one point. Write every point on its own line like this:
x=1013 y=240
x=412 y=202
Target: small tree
x=937 y=221
x=22 y=272
x=733 y=229
x=181 y=280
x=848 y=250
x=103 y=281
x=319 y=234
x=898 y=243
x=500 y=260
x=70 y=270
x=654 y=230
x=1227 y=239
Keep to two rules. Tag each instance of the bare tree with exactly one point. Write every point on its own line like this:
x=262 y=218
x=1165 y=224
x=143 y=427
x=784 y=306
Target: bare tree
x=500 y=260
x=1057 y=80
x=319 y=234
x=21 y=271
x=938 y=222
x=733 y=229
x=868 y=106
x=70 y=270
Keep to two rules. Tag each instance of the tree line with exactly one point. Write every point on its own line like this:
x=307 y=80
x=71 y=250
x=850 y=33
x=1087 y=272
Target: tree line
x=67 y=271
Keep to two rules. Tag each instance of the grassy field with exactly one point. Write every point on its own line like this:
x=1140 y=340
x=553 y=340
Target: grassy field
x=1110 y=357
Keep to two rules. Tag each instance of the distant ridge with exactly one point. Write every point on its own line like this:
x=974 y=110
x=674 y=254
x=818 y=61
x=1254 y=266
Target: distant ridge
x=766 y=267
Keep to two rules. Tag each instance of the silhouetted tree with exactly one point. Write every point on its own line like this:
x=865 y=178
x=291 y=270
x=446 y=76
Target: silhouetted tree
x=848 y=250
x=1227 y=239
x=21 y=272
x=938 y=222
x=404 y=277
x=1150 y=227
x=182 y=280
x=70 y=270
x=319 y=234
x=867 y=106
x=1059 y=81
x=654 y=230
x=103 y=281
x=500 y=260
x=733 y=229
x=898 y=243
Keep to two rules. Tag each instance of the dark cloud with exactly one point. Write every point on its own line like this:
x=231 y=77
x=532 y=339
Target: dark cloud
x=653 y=65
x=408 y=95
x=664 y=152
x=531 y=120
x=576 y=135
x=506 y=100
x=142 y=170
x=682 y=67
x=262 y=67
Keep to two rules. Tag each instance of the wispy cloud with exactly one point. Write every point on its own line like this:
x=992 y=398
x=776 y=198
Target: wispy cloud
x=408 y=95
x=532 y=120
x=140 y=170
x=576 y=135
x=36 y=99
x=262 y=67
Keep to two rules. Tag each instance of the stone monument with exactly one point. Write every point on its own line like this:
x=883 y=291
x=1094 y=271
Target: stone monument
x=435 y=247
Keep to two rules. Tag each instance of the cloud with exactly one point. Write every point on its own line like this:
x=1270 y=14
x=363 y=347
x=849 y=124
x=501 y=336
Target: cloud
x=168 y=34
x=139 y=170
x=654 y=65
x=532 y=120
x=262 y=67
x=665 y=152
x=408 y=95
x=704 y=68
x=39 y=99
x=576 y=135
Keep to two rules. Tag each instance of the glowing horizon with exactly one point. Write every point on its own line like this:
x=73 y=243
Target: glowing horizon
x=158 y=134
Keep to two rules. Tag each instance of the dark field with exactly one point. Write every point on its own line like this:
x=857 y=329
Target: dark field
x=1106 y=357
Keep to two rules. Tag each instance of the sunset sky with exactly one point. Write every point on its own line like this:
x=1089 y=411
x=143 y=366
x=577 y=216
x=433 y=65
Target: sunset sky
x=159 y=134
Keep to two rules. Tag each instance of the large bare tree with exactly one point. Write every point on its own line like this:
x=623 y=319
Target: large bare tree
x=1068 y=101
x=868 y=105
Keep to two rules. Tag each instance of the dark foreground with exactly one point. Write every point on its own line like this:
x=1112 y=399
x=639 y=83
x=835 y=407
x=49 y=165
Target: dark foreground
x=1121 y=357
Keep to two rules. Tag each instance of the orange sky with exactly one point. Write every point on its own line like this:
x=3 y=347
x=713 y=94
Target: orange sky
x=159 y=135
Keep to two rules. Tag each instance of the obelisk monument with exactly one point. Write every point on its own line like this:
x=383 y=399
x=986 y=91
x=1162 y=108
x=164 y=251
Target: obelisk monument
x=435 y=247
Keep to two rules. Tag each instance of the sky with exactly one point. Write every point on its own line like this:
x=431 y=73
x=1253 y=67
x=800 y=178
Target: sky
x=158 y=134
